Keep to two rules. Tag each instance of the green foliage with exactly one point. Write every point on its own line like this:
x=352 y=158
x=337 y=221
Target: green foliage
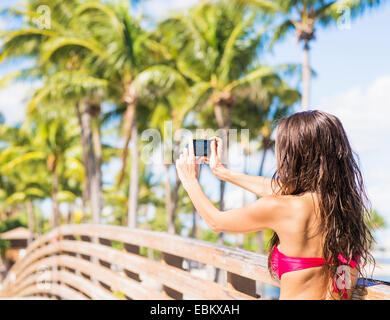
x=250 y=242
x=209 y=235
x=143 y=251
x=374 y=220
x=117 y=245
x=4 y=245
x=10 y=224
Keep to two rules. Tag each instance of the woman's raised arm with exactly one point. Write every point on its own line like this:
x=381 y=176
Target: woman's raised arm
x=264 y=213
x=261 y=186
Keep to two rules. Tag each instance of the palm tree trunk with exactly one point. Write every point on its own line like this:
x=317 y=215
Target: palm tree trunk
x=241 y=236
x=168 y=202
x=175 y=203
x=95 y=193
x=84 y=203
x=171 y=201
x=265 y=150
x=55 y=207
x=99 y=160
x=70 y=213
x=85 y=156
x=194 y=225
x=260 y=233
x=128 y=121
x=218 y=112
x=84 y=147
x=306 y=77
x=31 y=220
x=133 y=188
x=224 y=122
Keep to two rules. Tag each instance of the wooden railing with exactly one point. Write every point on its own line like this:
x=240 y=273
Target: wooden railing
x=105 y=262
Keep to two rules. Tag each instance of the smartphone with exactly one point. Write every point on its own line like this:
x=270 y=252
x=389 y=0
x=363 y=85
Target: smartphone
x=201 y=147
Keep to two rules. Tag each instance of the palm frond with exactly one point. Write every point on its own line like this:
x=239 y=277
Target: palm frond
x=266 y=6
x=253 y=75
x=13 y=164
x=229 y=50
x=160 y=77
x=281 y=31
x=198 y=93
x=105 y=9
x=51 y=46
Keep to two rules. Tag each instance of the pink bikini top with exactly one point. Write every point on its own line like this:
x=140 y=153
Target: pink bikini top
x=280 y=264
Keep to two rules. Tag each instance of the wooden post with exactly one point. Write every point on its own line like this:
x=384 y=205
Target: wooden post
x=132 y=249
x=105 y=242
x=177 y=262
x=242 y=284
x=106 y=264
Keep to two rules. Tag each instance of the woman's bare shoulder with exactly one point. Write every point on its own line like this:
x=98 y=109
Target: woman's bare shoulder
x=296 y=209
x=285 y=205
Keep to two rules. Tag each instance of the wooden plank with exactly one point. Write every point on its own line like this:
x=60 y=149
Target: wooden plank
x=130 y=288
x=79 y=283
x=61 y=291
x=235 y=260
x=172 y=277
x=242 y=262
x=47 y=237
x=132 y=249
x=175 y=261
x=13 y=274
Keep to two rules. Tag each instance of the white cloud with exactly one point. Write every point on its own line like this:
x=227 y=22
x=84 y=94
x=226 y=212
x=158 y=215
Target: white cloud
x=365 y=114
x=13 y=100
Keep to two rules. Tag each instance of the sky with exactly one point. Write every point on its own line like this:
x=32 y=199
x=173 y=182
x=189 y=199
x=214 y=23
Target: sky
x=353 y=82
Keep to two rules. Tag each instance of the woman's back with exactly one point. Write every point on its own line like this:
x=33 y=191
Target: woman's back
x=301 y=237
x=315 y=203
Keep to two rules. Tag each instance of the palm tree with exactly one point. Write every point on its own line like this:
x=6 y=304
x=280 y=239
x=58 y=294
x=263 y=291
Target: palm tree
x=82 y=97
x=120 y=52
x=214 y=46
x=168 y=105
x=38 y=166
x=22 y=186
x=303 y=16
x=69 y=78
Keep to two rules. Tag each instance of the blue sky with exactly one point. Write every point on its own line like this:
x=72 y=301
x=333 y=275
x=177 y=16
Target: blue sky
x=353 y=82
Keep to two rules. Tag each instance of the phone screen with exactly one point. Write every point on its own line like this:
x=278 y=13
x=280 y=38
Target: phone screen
x=201 y=147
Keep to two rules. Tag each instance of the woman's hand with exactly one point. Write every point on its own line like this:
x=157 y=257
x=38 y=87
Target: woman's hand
x=187 y=165
x=214 y=160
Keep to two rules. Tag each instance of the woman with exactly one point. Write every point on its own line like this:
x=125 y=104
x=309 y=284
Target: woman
x=315 y=203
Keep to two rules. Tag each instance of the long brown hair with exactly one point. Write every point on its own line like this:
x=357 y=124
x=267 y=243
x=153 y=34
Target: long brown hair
x=314 y=155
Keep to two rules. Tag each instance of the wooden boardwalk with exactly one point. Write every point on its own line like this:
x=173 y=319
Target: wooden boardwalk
x=105 y=262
